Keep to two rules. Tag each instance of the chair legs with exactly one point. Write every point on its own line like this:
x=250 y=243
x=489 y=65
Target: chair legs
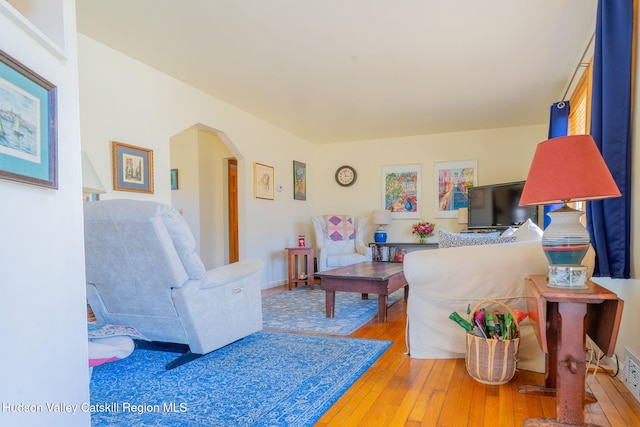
x=186 y=356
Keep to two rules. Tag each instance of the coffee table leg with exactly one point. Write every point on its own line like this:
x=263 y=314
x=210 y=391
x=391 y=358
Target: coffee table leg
x=382 y=308
x=330 y=302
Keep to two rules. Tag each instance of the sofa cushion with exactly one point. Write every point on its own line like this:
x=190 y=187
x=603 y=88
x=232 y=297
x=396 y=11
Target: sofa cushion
x=342 y=260
x=447 y=239
x=340 y=227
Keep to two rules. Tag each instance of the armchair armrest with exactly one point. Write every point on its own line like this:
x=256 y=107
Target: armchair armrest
x=365 y=250
x=319 y=231
x=230 y=273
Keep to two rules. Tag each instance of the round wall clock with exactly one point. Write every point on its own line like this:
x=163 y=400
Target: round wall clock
x=346 y=176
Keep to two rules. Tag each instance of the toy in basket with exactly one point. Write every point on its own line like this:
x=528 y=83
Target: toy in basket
x=492 y=343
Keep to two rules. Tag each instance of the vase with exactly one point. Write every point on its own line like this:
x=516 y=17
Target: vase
x=422 y=240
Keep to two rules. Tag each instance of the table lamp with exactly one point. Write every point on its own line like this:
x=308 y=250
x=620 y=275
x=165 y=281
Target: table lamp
x=91 y=185
x=463 y=216
x=381 y=217
x=567 y=169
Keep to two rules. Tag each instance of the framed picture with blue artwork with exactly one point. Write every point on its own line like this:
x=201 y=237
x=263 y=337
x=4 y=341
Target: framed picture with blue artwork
x=132 y=168
x=401 y=190
x=28 y=126
x=453 y=180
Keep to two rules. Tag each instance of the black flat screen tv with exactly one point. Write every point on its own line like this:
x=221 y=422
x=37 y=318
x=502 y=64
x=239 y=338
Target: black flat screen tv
x=496 y=206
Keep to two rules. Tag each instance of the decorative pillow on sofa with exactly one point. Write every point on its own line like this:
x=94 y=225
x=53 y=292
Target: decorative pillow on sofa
x=508 y=232
x=528 y=231
x=447 y=239
x=340 y=227
x=479 y=235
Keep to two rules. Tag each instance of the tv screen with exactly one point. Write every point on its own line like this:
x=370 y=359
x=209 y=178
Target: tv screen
x=496 y=206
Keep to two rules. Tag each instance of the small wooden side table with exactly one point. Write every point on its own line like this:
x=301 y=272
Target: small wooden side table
x=562 y=318
x=293 y=271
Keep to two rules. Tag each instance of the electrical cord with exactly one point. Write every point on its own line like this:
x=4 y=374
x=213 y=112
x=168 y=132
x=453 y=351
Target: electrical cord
x=594 y=356
x=617 y=371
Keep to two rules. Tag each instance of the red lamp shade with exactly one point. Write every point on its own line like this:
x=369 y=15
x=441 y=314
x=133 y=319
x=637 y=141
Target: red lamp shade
x=568 y=168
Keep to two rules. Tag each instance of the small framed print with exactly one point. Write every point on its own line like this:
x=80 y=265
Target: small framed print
x=28 y=126
x=299 y=181
x=174 y=179
x=262 y=181
x=132 y=168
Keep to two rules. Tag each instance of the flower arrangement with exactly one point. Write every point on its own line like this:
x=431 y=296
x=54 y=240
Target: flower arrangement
x=423 y=230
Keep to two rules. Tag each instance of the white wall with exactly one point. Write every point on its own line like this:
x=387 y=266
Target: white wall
x=186 y=199
x=124 y=100
x=127 y=101
x=42 y=292
x=502 y=155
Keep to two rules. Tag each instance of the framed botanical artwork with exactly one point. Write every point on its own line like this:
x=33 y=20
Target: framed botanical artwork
x=299 y=181
x=262 y=181
x=132 y=168
x=174 y=179
x=28 y=126
x=401 y=187
x=453 y=180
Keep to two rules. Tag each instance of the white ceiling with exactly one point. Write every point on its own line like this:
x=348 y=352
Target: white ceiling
x=343 y=70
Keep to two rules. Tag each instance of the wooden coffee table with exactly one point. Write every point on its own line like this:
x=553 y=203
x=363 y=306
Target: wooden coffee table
x=382 y=278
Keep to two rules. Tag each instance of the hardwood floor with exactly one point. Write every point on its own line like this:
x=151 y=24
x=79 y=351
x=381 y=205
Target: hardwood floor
x=400 y=391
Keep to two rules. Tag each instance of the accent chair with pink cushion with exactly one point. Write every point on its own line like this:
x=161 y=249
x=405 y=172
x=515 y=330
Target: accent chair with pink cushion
x=339 y=241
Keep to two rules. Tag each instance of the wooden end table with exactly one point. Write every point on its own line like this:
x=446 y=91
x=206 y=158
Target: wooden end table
x=562 y=318
x=382 y=278
x=293 y=264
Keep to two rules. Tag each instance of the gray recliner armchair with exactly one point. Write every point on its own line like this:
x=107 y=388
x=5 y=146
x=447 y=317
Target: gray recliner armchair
x=142 y=271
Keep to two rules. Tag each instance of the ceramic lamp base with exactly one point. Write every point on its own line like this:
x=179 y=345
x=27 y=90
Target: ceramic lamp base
x=568 y=276
x=565 y=241
x=380 y=236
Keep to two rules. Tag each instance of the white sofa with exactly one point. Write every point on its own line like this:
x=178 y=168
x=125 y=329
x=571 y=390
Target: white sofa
x=450 y=279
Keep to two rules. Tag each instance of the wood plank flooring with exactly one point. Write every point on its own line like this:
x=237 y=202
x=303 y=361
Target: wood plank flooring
x=400 y=391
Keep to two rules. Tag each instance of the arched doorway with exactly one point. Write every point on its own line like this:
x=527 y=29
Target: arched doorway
x=207 y=195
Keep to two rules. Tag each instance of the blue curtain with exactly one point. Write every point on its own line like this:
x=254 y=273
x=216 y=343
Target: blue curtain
x=559 y=119
x=558 y=126
x=609 y=221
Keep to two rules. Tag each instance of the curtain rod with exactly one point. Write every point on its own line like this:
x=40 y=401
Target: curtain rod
x=581 y=63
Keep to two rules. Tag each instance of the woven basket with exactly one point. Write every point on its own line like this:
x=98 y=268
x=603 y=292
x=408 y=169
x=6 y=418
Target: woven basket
x=491 y=361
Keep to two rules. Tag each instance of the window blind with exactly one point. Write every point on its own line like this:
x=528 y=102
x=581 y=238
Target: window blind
x=580 y=101
x=580 y=117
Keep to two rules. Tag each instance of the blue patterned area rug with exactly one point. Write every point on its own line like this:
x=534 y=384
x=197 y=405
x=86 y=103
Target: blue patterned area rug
x=265 y=379
x=303 y=310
